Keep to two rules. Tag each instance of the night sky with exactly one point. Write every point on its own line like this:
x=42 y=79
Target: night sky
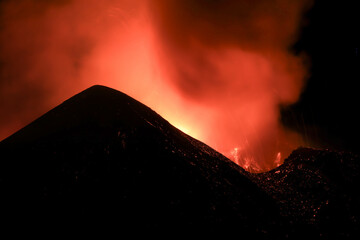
x=327 y=112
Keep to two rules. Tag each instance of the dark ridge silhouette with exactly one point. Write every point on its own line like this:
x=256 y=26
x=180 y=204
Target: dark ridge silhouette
x=103 y=159
x=318 y=192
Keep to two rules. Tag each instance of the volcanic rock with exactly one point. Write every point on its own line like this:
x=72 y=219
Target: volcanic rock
x=318 y=192
x=103 y=159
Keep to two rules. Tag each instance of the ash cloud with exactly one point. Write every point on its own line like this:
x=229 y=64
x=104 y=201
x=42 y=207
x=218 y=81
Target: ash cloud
x=223 y=67
x=234 y=56
x=45 y=47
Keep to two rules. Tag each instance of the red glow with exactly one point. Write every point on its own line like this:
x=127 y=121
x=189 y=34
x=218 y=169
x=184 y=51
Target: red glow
x=217 y=72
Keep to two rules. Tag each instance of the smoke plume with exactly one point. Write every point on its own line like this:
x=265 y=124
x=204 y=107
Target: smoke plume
x=218 y=70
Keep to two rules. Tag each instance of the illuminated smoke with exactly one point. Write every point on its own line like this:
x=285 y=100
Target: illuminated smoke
x=233 y=58
x=218 y=70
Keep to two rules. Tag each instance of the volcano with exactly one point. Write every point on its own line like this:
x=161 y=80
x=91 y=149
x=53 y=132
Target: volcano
x=104 y=159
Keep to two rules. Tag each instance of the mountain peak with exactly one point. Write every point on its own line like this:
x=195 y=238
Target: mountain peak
x=99 y=87
x=100 y=90
x=104 y=155
x=97 y=105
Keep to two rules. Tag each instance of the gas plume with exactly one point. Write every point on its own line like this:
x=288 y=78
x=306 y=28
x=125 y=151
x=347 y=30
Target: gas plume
x=218 y=70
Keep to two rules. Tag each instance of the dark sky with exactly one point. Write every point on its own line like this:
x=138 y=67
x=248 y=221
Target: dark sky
x=328 y=111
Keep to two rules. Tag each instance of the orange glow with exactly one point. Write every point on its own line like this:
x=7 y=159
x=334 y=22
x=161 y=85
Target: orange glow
x=218 y=72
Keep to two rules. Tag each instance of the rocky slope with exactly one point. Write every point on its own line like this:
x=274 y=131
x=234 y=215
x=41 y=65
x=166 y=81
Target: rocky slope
x=317 y=191
x=104 y=159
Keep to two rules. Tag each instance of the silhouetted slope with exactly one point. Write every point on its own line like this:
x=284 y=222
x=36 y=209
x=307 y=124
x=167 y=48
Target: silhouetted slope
x=103 y=158
x=317 y=191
